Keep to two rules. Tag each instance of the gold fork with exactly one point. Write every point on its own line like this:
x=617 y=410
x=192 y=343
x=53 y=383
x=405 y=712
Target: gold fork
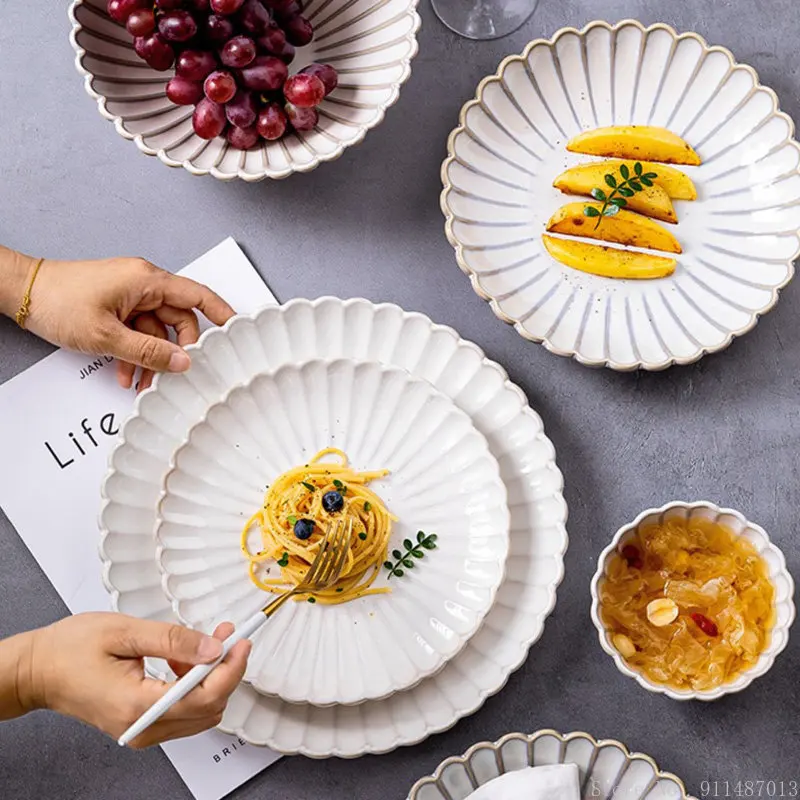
x=323 y=573
x=325 y=569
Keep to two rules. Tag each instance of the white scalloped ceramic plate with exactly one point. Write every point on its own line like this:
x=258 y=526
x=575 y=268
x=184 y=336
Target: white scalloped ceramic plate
x=778 y=573
x=442 y=480
x=607 y=769
x=331 y=328
x=371 y=44
x=739 y=237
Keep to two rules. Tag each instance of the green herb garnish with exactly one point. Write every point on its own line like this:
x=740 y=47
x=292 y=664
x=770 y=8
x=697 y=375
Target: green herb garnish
x=362 y=536
x=620 y=190
x=312 y=599
x=291 y=519
x=338 y=484
x=367 y=506
x=340 y=589
x=284 y=562
x=309 y=486
x=412 y=550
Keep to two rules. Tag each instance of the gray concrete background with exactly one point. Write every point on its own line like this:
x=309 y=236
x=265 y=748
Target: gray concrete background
x=726 y=429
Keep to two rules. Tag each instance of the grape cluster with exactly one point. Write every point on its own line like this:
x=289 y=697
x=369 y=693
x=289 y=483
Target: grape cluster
x=231 y=62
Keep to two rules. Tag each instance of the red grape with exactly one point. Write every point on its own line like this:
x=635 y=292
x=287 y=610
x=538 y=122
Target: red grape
x=177 y=26
x=195 y=65
x=299 y=31
x=265 y=74
x=120 y=10
x=326 y=73
x=218 y=29
x=273 y=40
x=288 y=8
x=286 y=53
x=302 y=119
x=220 y=86
x=141 y=22
x=242 y=110
x=155 y=51
x=253 y=17
x=199 y=5
x=303 y=90
x=226 y=7
x=184 y=92
x=208 y=119
x=169 y=5
x=271 y=122
x=238 y=52
x=243 y=138
x=279 y=5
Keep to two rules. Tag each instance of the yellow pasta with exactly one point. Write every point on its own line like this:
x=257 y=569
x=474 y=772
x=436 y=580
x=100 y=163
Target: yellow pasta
x=297 y=496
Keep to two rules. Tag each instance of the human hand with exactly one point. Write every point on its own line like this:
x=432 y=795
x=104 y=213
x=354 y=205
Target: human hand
x=122 y=307
x=90 y=666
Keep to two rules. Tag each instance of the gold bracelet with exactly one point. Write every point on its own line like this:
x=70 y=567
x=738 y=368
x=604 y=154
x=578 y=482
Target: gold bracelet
x=25 y=306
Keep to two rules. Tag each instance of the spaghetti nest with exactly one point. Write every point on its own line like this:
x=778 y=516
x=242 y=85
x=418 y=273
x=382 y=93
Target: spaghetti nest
x=298 y=509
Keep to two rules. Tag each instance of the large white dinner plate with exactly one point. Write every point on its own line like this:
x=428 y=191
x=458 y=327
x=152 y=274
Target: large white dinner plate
x=442 y=479
x=331 y=328
x=739 y=237
x=607 y=769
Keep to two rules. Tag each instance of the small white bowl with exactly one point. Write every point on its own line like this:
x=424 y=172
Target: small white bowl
x=778 y=574
x=608 y=769
x=370 y=44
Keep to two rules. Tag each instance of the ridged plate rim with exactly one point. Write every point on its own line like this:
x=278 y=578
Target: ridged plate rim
x=474 y=276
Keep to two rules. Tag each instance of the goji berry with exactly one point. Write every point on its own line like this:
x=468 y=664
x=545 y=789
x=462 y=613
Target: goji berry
x=708 y=627
x=631 y=554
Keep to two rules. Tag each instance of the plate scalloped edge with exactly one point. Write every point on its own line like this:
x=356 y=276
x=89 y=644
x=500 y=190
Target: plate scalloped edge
x=529 y=740
x=474 y=276
x=521 y=648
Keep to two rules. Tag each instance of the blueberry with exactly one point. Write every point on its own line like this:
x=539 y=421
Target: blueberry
x=303 y=528
x=332 y=502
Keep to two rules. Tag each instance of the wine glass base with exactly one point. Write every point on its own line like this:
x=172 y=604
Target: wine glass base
x=484 y=19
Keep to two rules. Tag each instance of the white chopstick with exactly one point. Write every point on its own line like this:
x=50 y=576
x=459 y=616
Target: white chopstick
x=191 y=679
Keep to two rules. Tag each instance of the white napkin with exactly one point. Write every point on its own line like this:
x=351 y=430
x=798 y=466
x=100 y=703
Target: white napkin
x=551 y=782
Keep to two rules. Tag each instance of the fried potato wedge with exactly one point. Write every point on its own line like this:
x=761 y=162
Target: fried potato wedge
x=608 y=262
x=625 y=227
x=635 y=142
x=583 y=178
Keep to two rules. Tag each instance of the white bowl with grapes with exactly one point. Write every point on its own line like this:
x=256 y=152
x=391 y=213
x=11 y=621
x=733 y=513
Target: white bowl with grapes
x=247 y=89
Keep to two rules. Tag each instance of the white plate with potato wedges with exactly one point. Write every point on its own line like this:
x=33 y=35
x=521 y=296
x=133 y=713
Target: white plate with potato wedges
x=626 y=196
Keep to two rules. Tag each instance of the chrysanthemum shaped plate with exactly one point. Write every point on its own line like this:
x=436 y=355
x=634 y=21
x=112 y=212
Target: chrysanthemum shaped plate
x=370 y=44
x=330 y=328
x=739 y=238
x=442 y=478
x=607 y=768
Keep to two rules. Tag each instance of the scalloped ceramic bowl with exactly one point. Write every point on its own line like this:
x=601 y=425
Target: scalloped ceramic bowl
x=299 y=331
x=370 y=44
x=442 y=479
x=739 y=238
x=607 y=769
x=779 y=575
